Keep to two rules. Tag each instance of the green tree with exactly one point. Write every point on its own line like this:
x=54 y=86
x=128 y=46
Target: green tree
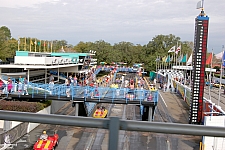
x=5 y=34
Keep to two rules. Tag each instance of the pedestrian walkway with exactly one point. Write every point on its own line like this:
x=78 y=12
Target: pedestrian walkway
x=178 y=109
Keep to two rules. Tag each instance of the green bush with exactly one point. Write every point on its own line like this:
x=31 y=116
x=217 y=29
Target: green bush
x=46 y=103
x=23 y=106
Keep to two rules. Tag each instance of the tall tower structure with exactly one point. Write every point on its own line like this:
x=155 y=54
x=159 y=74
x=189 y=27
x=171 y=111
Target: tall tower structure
x=198 y=72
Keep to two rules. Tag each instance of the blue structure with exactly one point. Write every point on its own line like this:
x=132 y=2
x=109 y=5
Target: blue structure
x=90 y=96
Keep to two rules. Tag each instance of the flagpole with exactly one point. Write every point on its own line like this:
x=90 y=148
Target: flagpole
x=40 y=46
x=51 y=46
x=19 y=44
x=210 y=73
x=35 y=45
x=174 y=58
x=25 y=48
x=185 y=80
x=169 y=63
x=221 y=73
x=166 y=62
x=48 y=47
x=176 y=53
x=44 y=46
x=30 y=44
x=180 y=53
x=160 y=65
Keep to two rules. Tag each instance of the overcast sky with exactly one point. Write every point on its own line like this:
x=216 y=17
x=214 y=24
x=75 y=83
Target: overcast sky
x=113 y=21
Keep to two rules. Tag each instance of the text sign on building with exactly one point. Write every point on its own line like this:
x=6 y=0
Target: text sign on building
x=198 y=75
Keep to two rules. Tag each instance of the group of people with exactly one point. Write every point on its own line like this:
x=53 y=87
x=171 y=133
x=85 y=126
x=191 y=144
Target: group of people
x=100 y=109
x=8 y=86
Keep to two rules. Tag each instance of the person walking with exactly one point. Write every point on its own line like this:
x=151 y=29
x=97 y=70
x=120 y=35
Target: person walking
x=51 y=87
x=51 y=78
x=67 y=83
x=2 y=86
x=9 y=87
x=25 y=88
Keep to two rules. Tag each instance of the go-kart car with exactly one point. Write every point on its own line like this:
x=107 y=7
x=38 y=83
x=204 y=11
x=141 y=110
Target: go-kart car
x=100 y=113
x=218 y=85
x=152 y=87
x=49 y=144
x=114 y=86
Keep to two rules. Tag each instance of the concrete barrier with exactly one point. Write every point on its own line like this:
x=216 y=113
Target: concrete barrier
x=31 y=126
x=15 y=130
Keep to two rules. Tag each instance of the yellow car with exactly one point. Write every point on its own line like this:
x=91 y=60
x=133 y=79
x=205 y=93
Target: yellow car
x=100 y=113
x=114 y=86
x=152 y=87
x=218 y=85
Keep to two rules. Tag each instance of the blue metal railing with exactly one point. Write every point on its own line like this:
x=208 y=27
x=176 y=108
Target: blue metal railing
x=60 y=90
x=84 y=92
x=120 y=69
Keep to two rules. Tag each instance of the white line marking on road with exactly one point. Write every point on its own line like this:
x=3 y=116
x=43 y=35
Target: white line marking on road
x=163 y=99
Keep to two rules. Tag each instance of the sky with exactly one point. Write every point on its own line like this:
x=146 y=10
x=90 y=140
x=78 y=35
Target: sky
x=135 y=21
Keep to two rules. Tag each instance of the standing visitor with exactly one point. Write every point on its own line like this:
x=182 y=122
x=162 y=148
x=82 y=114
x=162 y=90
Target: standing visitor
x=2 y=86
x=9 y=87
x=21 y=79
x=75 y=80
x=164 y=87
x=51 y=87
x=51 y=78
x=25 y=86
x=20 y=87
x=67 y=83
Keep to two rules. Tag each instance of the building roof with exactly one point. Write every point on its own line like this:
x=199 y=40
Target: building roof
x=37 y=66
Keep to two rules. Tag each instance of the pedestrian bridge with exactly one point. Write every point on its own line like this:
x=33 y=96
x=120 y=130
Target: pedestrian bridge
x=87 y=95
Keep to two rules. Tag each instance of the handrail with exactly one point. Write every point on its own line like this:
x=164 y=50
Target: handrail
x=114 y=124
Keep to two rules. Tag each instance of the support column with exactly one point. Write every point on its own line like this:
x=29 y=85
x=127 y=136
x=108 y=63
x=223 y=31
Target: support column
x=76 y=109
x=28 y=75
x=114 y=126
x=45 y=75
x=67 y=74
x=150 y=114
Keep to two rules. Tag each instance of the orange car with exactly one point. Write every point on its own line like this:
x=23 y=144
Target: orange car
x=49 y=144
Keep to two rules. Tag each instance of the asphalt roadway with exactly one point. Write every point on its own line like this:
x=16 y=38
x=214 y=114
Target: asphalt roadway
x=75 y=138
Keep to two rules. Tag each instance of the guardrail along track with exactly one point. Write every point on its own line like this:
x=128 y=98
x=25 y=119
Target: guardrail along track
x=27 y=141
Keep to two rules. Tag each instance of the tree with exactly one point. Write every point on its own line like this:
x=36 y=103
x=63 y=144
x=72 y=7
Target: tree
x=5 y=34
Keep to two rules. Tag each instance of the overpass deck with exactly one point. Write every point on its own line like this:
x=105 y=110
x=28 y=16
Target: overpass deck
x=62 y=92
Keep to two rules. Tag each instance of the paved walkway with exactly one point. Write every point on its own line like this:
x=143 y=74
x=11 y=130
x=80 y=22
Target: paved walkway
x=178 y=110
x=177 y=107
